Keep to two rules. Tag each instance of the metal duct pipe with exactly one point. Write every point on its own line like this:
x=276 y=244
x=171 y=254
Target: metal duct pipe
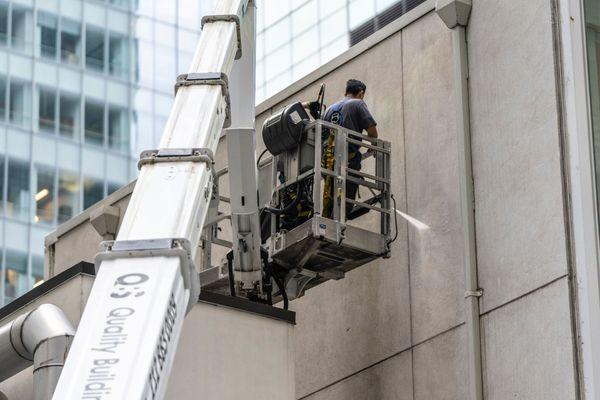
x=455 y=14
x=41 y=337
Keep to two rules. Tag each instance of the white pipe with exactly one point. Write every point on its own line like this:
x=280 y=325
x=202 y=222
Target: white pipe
x=41 y=337
x=455 y=14
x=467 y=204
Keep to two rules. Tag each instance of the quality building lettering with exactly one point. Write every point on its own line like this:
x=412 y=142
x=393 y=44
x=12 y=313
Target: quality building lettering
x=114 y=335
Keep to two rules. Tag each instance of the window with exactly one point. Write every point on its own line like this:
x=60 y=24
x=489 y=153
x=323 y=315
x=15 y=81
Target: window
x=37 y=269
x=47 y=28
x=70 y=41
x=2 y=98
x=329 y=6
x=145 y=63
x=113 y=187
x=68 y=195
x=186 y=42
x=19 y=103
x=15 y=278
x=165 y=68
x=3 y=23
x=20 y=34
x=69 y=115
x=94 y=122
x=592 y=19
x=47 y=110
x=189 y=13
x=118 y=56
x=304 y=45
x=94 y=49
x=44 y=195
x=362 y=29
x=278 y=62
x=2 y=160
x=334 y=26
x=18 y=196
x=93 y=192
x=277 y=35
x=165 y=57
x=120 y=3
x=118 y=129
x=304 y=17
x=276 y=10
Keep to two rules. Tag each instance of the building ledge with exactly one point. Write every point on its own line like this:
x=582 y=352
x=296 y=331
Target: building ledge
x=88 y=269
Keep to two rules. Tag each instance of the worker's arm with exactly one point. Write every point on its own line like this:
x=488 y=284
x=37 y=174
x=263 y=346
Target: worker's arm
x=372 y=131
x=366 y=120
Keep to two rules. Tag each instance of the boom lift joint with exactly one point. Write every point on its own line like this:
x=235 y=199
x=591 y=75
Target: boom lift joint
x=169 y=247
x=227 y=18
x=208 y=78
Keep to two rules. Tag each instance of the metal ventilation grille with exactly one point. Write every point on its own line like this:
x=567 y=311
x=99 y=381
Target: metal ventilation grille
x=382 y=19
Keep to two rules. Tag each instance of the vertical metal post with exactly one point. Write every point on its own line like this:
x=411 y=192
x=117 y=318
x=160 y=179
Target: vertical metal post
x=383 y=170
x=318 y=173
x=244 y=207
x=242 y=160
x=339 y=187
x=242 y=80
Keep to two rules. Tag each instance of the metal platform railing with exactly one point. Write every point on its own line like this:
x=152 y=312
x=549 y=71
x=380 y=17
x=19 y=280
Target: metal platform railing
x=377 y=182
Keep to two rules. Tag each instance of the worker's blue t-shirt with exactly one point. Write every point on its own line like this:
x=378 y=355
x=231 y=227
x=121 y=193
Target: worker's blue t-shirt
x=351 y=114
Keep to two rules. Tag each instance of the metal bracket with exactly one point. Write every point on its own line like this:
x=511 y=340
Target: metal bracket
x=170 y=247
x=208 y=78
x=196 y=154
x=473 y=293
x=227 y=18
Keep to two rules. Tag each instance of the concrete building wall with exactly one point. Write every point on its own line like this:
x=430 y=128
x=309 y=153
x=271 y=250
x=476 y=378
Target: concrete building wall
x=394 y=329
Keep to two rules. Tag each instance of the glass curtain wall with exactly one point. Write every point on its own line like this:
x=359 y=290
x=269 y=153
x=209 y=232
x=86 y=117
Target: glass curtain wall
x=592 y=16
x=3 y=23
x=85 y=86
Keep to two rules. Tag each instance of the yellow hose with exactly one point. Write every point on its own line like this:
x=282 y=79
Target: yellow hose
x=328 y=162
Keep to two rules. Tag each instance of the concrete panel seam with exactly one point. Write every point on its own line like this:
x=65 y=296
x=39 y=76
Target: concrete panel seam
x=532 y=291
x=354 y=374
x=411 y=348
x=410 y=305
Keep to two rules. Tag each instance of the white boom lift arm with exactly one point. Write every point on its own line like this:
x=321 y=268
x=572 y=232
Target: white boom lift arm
x=146 y=281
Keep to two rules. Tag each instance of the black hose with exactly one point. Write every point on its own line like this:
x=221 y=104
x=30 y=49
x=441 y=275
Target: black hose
x=267 y=285
x=281 y=287
x=294 y=203
x=231 y=277
x=260 y=157
x=395 y=220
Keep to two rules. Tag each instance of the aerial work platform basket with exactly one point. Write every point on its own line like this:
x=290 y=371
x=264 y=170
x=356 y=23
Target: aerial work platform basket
x=330 y=239
x=312 y=231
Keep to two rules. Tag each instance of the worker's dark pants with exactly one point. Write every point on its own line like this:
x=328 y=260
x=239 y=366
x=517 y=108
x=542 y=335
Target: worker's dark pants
x=354 y=162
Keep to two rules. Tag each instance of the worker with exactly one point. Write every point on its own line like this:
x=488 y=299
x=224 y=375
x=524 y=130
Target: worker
x=351 y=112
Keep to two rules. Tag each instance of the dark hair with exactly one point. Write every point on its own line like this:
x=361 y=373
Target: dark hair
x=354 y=86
